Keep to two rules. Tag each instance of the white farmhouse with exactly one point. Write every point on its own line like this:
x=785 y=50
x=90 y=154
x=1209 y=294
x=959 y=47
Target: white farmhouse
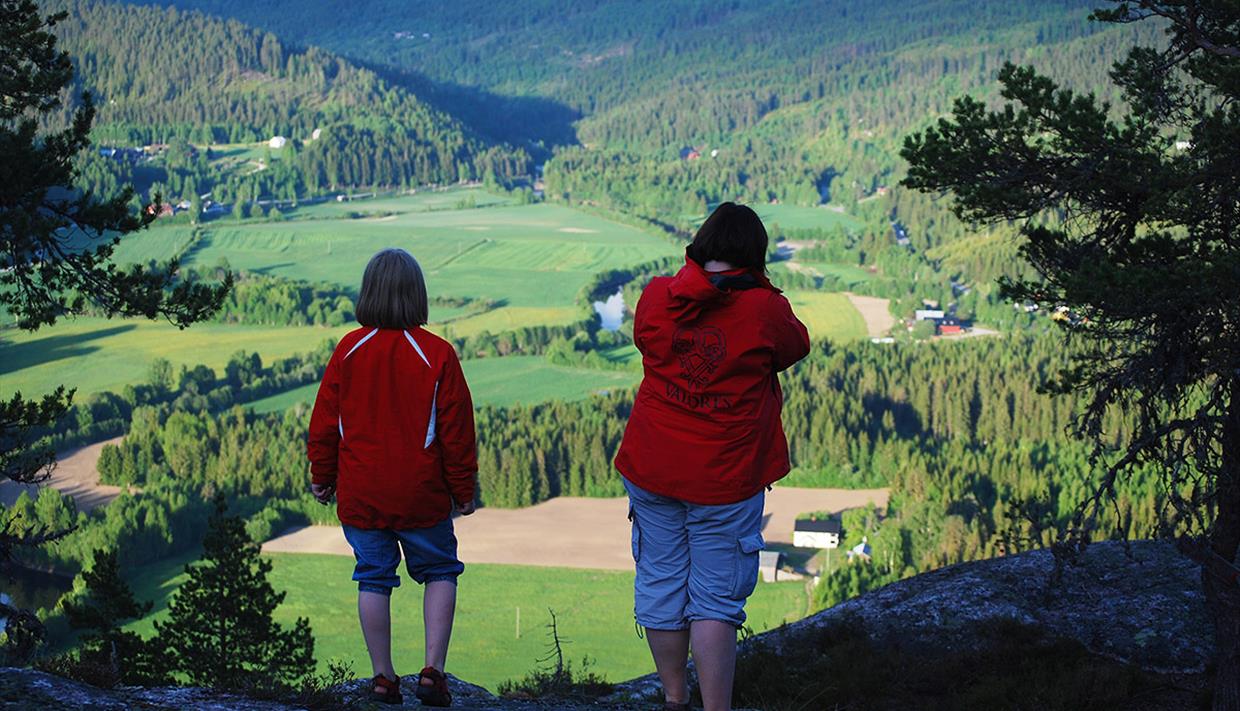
x=816 y=533
x=929 y=314
x=860 y=552
x=277 y=142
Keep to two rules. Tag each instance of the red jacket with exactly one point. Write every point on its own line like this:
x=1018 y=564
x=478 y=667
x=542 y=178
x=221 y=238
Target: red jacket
x=706 y=427
x=393 y=428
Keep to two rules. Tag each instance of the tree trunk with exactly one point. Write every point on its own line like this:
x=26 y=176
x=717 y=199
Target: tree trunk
x=1222 y=588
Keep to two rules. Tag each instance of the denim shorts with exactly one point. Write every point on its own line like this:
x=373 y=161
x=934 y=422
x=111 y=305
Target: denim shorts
x=430 y=555
x=694 y=562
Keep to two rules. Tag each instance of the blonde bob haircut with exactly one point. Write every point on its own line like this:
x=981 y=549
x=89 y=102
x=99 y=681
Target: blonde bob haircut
x=393 y=293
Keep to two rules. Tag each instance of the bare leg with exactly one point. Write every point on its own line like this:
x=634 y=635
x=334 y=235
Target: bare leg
x=375 y=612
x=670 y=649
x=438 y=609
x=714 y=656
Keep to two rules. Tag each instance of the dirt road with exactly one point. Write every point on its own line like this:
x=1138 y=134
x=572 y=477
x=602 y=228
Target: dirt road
x=76 y=474
x=577 y=532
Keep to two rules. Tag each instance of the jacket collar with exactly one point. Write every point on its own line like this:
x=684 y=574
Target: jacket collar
x=694 y=289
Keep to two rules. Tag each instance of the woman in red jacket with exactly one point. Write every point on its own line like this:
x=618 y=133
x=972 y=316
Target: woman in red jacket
x=392 y=437
x=703 y=443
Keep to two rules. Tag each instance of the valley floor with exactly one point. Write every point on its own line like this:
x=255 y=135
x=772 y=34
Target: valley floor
x=570 y=532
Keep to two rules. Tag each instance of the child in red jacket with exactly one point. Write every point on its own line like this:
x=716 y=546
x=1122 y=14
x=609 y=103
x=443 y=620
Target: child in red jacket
x=392 y=438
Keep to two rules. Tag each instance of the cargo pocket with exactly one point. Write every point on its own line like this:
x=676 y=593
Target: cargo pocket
x=637 y=536
x=745 y=577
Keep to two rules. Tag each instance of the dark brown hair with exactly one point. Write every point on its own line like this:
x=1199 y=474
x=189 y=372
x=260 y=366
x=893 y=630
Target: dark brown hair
x=393 y=293
x=733 y=234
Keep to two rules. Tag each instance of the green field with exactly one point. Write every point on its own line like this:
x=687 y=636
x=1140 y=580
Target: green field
x=794 y=217
x=505 y=318
x=241 y=152
x=531 y=379
x=827 y=315
x=849 y=274
x=594 y=610
x=421 y=201
x=501 y=381
x=95 y=354
x=527 y=256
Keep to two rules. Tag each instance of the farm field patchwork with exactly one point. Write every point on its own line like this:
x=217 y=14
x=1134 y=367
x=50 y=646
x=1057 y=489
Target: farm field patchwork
x=532 y=255
x=96 y=354
x=421 y=201
x=827 y=315
x=594 y=611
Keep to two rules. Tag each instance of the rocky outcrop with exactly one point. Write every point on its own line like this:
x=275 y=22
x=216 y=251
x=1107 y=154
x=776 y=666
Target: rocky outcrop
x=1140 y=604
x=27 y=689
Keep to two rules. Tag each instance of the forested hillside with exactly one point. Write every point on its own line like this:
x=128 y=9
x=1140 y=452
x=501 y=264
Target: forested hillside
x=641 y=109
x=802 y=98
x=181 y=78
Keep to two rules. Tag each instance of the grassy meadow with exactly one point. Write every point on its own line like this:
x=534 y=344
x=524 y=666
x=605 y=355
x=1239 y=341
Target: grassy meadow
x=525 y=256
x=532 y=260
x=827 y=315
x=793 y=217
x=504 y=318
x=96 y=354
x=849 y=274
x=421 y=201
x=594 y=611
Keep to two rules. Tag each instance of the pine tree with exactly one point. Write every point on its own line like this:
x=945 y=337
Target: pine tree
x=100 y=611
x=41 y=278
x=1146 y=266
x=219 y=631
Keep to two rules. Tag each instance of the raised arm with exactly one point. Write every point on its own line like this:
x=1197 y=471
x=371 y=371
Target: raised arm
x=454 y=427
x=788 y=336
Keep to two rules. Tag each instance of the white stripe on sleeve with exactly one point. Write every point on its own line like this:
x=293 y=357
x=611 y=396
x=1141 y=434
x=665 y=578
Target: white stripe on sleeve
x=357 y=345
x=430 y=428
x=416 y=347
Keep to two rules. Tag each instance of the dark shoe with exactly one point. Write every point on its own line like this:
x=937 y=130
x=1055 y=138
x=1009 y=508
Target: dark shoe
x=673 y=706
x=385 y=691
x=436 y=693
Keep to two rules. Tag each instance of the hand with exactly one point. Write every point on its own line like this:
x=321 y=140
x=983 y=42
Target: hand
x=323 y=493
x=466 y=509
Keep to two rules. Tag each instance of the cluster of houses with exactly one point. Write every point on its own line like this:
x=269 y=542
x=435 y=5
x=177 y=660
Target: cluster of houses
x=945 y=322
x=821 y=533
x=123 y=155
x=167 y=209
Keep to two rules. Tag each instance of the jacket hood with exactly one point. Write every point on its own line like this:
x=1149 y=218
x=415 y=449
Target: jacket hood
x=694 y=290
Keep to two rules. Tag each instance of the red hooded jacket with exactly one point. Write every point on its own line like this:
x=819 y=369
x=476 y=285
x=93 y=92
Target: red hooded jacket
x=393 y=429
x=706 y=426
